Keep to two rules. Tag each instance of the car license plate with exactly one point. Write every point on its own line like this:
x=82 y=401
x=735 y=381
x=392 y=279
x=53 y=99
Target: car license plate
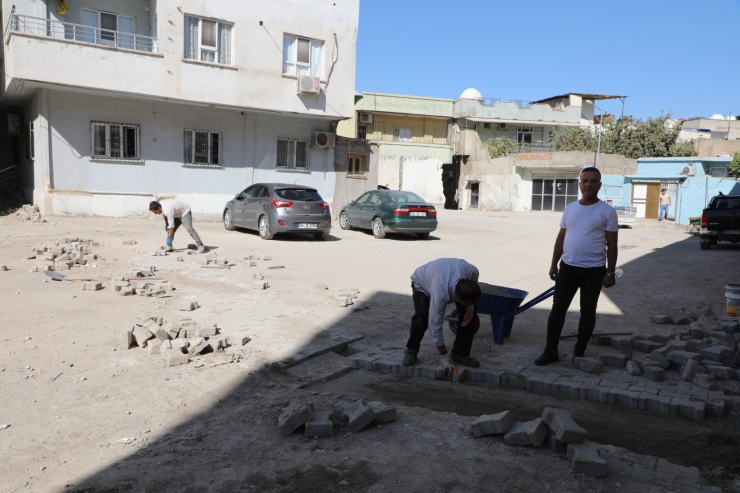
x=731 y=232
x=421 y=214
x=307 y=226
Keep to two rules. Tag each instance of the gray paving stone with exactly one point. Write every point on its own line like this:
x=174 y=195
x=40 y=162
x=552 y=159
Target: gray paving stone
x=614 y=384
x=654 y=373
x=719 y=372
x=660 y=358
x=126 y=339
x=594 y=393
x=490 y=376
x=328 y=366
x=633 y=368
x=586 y=459
x=655 y=403
x=360 y=415
x=513 y=380
x=492 y=424
x=319 y=426
x=363 y=361
x=528 y=433
x=660 y=319
x=647 y=346
x=294 y=415
x=680 y=357
x=626 y=398
x=678 y=317
x=714 y=407
x=705 y=381
x=601 y=340
x=174 y=357
x=555 y=444
x=641 y=388
x=686 y=408
x=717 y=353
x=564 y=387
x=142 y=335
x=585 y=379
x=426 y=370
x=383 y=412
x=689 y=370
x=565 y=428
x=611 y=359
x=589 y=365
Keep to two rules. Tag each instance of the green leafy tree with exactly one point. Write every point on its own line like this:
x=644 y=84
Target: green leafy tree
x=500 y=147
x=654 y=137
x=735 y=165
x=573 y=139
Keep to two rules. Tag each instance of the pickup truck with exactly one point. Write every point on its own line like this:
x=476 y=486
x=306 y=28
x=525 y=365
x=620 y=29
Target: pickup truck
x=720 y=221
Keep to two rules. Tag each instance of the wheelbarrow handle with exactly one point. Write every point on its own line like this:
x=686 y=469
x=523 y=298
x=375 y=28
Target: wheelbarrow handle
x=539 y=298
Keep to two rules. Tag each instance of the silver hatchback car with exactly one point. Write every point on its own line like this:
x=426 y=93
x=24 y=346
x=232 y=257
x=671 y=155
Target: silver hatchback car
x=272 y=208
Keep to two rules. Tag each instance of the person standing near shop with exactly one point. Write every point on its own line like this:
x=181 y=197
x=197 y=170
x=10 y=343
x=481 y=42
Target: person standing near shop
x=665 y=204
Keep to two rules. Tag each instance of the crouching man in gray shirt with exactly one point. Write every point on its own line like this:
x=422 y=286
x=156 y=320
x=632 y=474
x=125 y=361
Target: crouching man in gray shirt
x=434 y=286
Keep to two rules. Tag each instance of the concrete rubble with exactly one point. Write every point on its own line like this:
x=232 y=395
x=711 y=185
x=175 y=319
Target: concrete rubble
x=64 y=254
x=356 y=416
x=29 y=213
x=176 y=341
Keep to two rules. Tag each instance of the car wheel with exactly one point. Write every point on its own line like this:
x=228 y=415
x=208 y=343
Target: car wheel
x=378 y=228
x=229 y=220
x=320 y=236
x=264 y=229
x=705 y=245
x=343 y=221
x=422 y=236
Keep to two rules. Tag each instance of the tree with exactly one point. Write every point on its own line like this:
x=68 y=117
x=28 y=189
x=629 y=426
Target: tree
x=500 y=147
x=654 y=137
x=735 y=165
x=574 y=139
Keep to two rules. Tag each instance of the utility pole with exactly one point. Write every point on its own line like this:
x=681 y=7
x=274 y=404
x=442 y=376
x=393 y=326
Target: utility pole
x=600 y=129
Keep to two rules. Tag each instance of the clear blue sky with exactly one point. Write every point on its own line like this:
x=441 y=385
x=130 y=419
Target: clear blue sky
x=680 y=56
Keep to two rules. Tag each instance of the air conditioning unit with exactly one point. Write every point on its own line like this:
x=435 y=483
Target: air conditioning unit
x=366 y=117
x=501 y=126
x=689 y=170
x=323 y=139
x=307 y=84
x=14 y=125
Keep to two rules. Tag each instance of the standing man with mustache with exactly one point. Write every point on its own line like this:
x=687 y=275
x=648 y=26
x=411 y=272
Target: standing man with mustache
x=587 y=239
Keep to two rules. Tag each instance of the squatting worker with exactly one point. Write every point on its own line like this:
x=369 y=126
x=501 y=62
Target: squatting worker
x=588 y=237
x=434 y=286
x=176 y=213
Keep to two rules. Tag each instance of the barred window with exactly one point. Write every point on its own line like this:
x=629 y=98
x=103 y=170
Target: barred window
x=114 y=140
x=202 y=148
x=292 y=154
x=356 y=166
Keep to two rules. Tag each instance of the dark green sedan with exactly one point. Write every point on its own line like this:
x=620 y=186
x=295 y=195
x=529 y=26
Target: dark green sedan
x=388 y=211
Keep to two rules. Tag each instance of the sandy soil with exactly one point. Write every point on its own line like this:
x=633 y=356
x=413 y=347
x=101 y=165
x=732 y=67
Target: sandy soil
x=71 y=393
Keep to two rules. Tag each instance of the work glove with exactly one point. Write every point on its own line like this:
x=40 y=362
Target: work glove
x=448 y=367
x=169 y=241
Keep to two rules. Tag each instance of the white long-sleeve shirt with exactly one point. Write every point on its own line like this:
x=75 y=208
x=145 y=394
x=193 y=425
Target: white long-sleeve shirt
x=172 y=209
x=438 y=279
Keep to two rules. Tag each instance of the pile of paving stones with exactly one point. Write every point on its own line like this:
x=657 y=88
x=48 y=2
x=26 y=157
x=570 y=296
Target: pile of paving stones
x=556 y=427
x=177 y=341
x=356 y=416
x=136 y=283
x=64 y=254
x=29 y=213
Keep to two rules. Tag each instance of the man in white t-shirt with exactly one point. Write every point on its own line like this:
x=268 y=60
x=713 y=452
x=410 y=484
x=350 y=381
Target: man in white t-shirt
x=587 y=240
x=176 y=213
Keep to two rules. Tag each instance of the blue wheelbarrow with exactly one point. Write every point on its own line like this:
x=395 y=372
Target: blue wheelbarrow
x=502 y=309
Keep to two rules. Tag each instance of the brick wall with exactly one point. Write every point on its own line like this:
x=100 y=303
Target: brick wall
x=714 y=147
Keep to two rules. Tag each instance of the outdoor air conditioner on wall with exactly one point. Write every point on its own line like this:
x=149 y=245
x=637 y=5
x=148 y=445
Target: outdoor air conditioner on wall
x=14 y=125
x=689 y=170
x=501 y=126
x=307 y=84
x=322 y=139
x=366 y=117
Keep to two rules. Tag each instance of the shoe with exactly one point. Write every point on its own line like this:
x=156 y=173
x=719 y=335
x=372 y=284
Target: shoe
x=409 y=357
x=201 y=248
x=577 y=354
x=466 y=361
x=547 y=358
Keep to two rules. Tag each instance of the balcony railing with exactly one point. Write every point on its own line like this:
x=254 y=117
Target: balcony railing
x=519 y=102
x=85 y=34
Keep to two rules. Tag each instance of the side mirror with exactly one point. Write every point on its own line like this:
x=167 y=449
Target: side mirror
x=351 y=202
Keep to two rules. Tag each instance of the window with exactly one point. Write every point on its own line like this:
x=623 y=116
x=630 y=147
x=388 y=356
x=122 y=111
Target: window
x=207 y=40
x=202 y=148
x=487 y=125
x=114 y=140
x=292 y=154
x=553 y=194
x=356 y=165
x=401 y=135
x=363 y=198
x=718 y=171
x=104 y=28
x=362 y=132
x=30 y=151
x=302 y=194
x=302 y=56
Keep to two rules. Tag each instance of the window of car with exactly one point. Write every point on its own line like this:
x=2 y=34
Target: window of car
x=262 y=192
x=301 y=194
x=375 y=199
x=726 y=203
x=406 y=198
x=363 y=198
x=248 y=193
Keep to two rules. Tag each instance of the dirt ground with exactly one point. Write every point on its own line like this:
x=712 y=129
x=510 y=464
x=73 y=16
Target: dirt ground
x=70 y=393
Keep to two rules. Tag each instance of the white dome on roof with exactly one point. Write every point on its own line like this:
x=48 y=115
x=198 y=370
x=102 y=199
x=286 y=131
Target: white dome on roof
x=471 y=93
x=717 y=116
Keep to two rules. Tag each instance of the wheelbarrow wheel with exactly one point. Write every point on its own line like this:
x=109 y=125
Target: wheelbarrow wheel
x=453 y=324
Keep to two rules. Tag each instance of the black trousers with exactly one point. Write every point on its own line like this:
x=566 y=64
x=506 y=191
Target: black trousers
x=569 y=280
x=420 y=323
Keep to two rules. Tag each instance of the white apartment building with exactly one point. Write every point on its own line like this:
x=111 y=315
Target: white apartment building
x=109 y=103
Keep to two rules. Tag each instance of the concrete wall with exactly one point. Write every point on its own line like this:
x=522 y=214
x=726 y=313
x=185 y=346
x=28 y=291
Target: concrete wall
x=86 y=186
x=410 y=105
x=542 y=112
x=422 y=176
x=349 y=188
x=254 y=81
x=715 y=147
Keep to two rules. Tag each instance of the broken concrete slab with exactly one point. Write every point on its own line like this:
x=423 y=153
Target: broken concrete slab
x=320 y=426
x=295 y=415
x=492 y=424
x=611 y=359
x=560 y=421
x=589 y=365
x=383 y=412
x=360 y=415
x=586 y=459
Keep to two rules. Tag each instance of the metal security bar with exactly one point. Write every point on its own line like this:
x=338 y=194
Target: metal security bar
x=85 y=34
x=7 y=176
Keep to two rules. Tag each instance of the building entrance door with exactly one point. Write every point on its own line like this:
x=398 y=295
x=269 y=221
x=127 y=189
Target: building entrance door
x=646 y=199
